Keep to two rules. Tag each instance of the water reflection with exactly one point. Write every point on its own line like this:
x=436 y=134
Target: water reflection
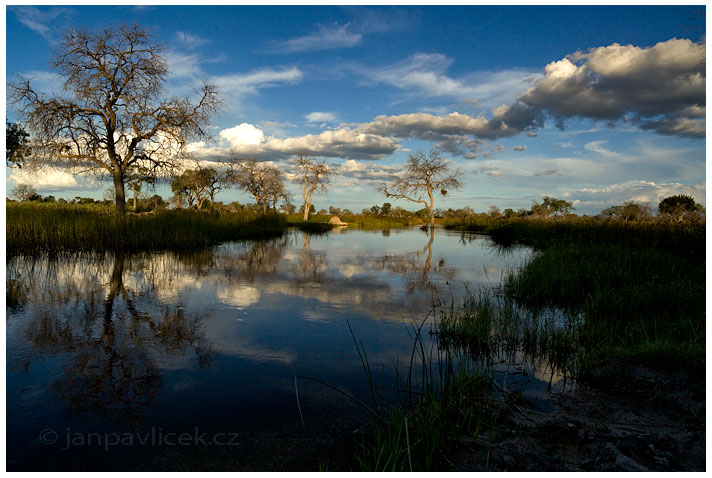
x=108 y=333
x=141 y=337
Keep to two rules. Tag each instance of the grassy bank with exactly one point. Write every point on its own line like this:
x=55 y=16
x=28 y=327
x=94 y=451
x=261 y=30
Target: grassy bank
x=638 y=287
x=56 y=228
x=356 y=221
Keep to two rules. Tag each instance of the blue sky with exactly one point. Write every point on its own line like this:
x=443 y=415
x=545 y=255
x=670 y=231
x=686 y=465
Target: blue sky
x=598 y=105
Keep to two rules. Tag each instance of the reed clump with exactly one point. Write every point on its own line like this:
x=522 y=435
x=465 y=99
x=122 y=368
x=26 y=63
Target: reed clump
x=638 y=288
x=444 y=396
x=57 y=228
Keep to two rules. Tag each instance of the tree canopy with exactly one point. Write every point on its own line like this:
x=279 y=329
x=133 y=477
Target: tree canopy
x=424 y=174
x=112 y=115
x=17 y=144
x=314 y=175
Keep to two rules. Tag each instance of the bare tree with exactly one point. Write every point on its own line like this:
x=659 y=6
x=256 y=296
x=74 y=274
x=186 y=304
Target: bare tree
x=23 y=192
x=314 y=175
x=262 y=181
x=427 y=174
x=112 y=115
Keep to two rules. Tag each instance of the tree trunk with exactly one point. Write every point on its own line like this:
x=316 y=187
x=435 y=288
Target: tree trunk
x=120 y=194
x=135 y=196
x=431 y=207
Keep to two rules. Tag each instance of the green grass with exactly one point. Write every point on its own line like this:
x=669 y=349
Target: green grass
x=420 y=436
x=490 y=327
x=639 y=289
x=440 y=401
x=54 y=228
x=354 y=221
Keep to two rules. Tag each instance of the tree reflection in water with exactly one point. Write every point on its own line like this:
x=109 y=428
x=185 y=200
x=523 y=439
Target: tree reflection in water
x=113 y=344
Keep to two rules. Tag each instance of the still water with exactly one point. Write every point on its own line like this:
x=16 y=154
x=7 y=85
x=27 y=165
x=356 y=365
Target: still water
x=111 y=358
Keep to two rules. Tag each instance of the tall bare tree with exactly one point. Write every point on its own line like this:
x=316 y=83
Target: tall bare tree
x=262 y=181
x=314 y=175
x=424 y=174
x=112 y=115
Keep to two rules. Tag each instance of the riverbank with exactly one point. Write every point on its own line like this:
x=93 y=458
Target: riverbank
x=54 y=228
x=356 y=221
x=619 y=308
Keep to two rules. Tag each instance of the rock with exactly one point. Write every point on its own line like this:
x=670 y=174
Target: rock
x=628 y=464
x=621 y=461
x=335 y=220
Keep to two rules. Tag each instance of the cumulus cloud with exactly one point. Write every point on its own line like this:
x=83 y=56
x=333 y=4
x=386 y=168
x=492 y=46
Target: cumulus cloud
x=48 y=180
x=243 y=134
x=325 y=38
x=662 y=87
x=519 y=148
x=455 y=133
x=351 y=169
x=246 y=140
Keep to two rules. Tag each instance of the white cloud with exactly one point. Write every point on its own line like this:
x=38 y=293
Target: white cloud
x=650 y=192
x=190 y=41
x=597 y=147
x=251 y=82
x=40 y=20
x=249 y=141
x=351 y=169
x=519 y=148
x=182 y=65
x=613 y=82
x=326 y=38
x=321 y=117
x=242 y=134
x=51 y=179
x=425 y=74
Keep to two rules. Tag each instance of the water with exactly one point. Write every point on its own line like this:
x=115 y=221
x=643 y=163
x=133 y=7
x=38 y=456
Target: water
x=107 y=356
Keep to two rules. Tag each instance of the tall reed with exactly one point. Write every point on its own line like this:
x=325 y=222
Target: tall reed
x=51 y=229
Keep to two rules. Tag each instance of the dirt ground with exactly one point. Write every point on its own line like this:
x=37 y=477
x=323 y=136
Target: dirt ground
x=655 y=422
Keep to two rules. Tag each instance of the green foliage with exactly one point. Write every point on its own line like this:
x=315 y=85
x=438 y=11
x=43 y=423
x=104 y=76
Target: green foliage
x=17 y=144
x=552 y=207
x=629 y=211
x=631 y=293
x=679 y=206
x=638 y=286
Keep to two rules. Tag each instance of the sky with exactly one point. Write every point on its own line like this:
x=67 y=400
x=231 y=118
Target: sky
x=597 y=105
